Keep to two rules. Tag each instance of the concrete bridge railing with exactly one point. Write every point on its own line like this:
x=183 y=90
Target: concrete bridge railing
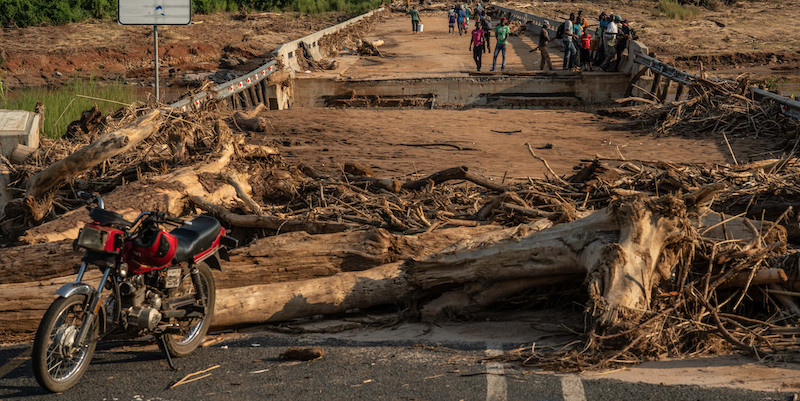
x=285 y=53
x=252 y=84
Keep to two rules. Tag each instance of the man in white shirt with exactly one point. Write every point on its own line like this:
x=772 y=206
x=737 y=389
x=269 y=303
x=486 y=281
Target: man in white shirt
x=610 y=41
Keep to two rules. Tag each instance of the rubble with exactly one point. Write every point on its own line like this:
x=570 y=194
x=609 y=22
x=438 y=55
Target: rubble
x=668 y=259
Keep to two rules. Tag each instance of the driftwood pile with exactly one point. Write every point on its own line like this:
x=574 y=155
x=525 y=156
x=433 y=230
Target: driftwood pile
x=669 y=259
x=716 y=109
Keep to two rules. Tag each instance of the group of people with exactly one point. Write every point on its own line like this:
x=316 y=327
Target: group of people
x=479 y=42
x=583 y=52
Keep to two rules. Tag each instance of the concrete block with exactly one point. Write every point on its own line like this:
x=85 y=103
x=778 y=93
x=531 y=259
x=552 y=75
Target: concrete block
x=18 y=127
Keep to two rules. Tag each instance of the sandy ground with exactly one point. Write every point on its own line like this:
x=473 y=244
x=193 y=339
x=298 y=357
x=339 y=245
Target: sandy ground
x=379 y=139
x=435 y=52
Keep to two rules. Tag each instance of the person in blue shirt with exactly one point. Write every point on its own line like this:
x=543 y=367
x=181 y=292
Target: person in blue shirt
x=461 y=17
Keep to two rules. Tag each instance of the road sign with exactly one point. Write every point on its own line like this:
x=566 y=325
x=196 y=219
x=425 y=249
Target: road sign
x=155 y=12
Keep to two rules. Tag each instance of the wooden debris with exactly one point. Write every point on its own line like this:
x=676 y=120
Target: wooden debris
x=194 y=377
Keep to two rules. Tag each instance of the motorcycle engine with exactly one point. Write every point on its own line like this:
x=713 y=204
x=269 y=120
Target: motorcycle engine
x=143 y=318
x=140 y=305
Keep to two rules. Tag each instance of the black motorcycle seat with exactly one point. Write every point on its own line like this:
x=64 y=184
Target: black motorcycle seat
x=109 y=218
x=195 y=237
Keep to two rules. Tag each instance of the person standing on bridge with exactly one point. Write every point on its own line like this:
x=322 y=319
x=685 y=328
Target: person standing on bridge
x=501 y=33
x=476 y=44
x=544 y=39
x=577 y=32
x=610 y=39
x=414 y=19
x=569 y=46
x=486 y=25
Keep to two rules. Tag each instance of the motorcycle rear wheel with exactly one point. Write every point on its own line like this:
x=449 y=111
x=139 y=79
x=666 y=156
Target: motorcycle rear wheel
x=193 y=330
x=57 y=364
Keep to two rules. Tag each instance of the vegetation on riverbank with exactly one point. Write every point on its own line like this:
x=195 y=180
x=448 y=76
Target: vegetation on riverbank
x=21 y=13
x=66 y=104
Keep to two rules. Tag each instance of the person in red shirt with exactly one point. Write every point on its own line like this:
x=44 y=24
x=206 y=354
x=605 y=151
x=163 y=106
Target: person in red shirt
x=586 y=46
x=476 y=43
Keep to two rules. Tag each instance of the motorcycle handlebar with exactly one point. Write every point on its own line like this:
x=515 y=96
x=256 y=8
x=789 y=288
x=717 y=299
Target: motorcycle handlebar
x=174 y=220
x=92 y=196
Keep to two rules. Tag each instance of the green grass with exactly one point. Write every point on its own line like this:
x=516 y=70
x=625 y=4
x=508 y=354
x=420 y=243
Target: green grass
x=65 y=101
x=54 y=12
x=22 y=13
x=673 y=10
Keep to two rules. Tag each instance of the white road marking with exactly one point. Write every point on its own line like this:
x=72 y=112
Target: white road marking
x=496 y=386
x=572 y=388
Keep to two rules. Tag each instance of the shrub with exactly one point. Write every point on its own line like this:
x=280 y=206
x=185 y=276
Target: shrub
x=674 y=10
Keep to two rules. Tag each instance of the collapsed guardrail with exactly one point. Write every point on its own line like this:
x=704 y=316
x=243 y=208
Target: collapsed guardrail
x=252 y=86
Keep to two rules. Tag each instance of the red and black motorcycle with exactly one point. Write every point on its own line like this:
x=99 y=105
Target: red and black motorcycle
x=154 y=282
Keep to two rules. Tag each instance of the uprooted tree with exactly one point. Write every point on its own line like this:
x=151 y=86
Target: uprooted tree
x=646 y=243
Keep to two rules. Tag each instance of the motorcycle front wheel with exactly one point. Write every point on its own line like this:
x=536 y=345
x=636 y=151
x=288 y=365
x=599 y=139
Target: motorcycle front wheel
x=58 y=363
x=192 y=330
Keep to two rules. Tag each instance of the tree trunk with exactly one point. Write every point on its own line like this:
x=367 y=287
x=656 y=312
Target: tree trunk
x=32 y=273
x=82 y=160
x=169 y=192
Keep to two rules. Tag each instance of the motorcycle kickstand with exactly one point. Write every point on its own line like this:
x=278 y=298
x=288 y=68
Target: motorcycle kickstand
x=166 y=352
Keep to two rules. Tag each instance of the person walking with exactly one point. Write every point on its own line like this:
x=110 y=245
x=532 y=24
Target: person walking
x=501 y=33
x=480 y=11
x=451 y=20
x=569 y=45
x=460 y=17
x=486 y=25
x=544 y=39
x=476 y=44
x=414 y=19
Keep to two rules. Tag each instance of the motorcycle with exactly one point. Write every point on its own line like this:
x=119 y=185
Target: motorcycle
x=160 y=283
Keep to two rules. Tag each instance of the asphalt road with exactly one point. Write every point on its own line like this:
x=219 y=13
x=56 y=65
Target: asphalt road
x=250 y=368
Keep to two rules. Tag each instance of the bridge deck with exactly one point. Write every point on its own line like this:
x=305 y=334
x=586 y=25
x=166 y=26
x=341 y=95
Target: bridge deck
x=433 y=52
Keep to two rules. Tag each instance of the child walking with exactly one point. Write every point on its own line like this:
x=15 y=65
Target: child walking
x=476 y=44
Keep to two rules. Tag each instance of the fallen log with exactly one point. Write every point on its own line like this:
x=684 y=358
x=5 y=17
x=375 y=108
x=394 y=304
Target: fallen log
x=454 y=173
x=80 y=161
x=271 y=222
x=624 y=250
x=250 y=121
x=282 y=260
x=169 y=192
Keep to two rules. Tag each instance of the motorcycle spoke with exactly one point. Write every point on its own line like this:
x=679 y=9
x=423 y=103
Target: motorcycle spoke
x=50 y=369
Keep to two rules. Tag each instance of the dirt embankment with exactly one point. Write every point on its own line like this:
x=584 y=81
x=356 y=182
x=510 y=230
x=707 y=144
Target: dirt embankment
x=51 y=55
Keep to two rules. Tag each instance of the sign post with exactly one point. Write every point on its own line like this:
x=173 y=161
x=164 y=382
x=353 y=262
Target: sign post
x=155 y=13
